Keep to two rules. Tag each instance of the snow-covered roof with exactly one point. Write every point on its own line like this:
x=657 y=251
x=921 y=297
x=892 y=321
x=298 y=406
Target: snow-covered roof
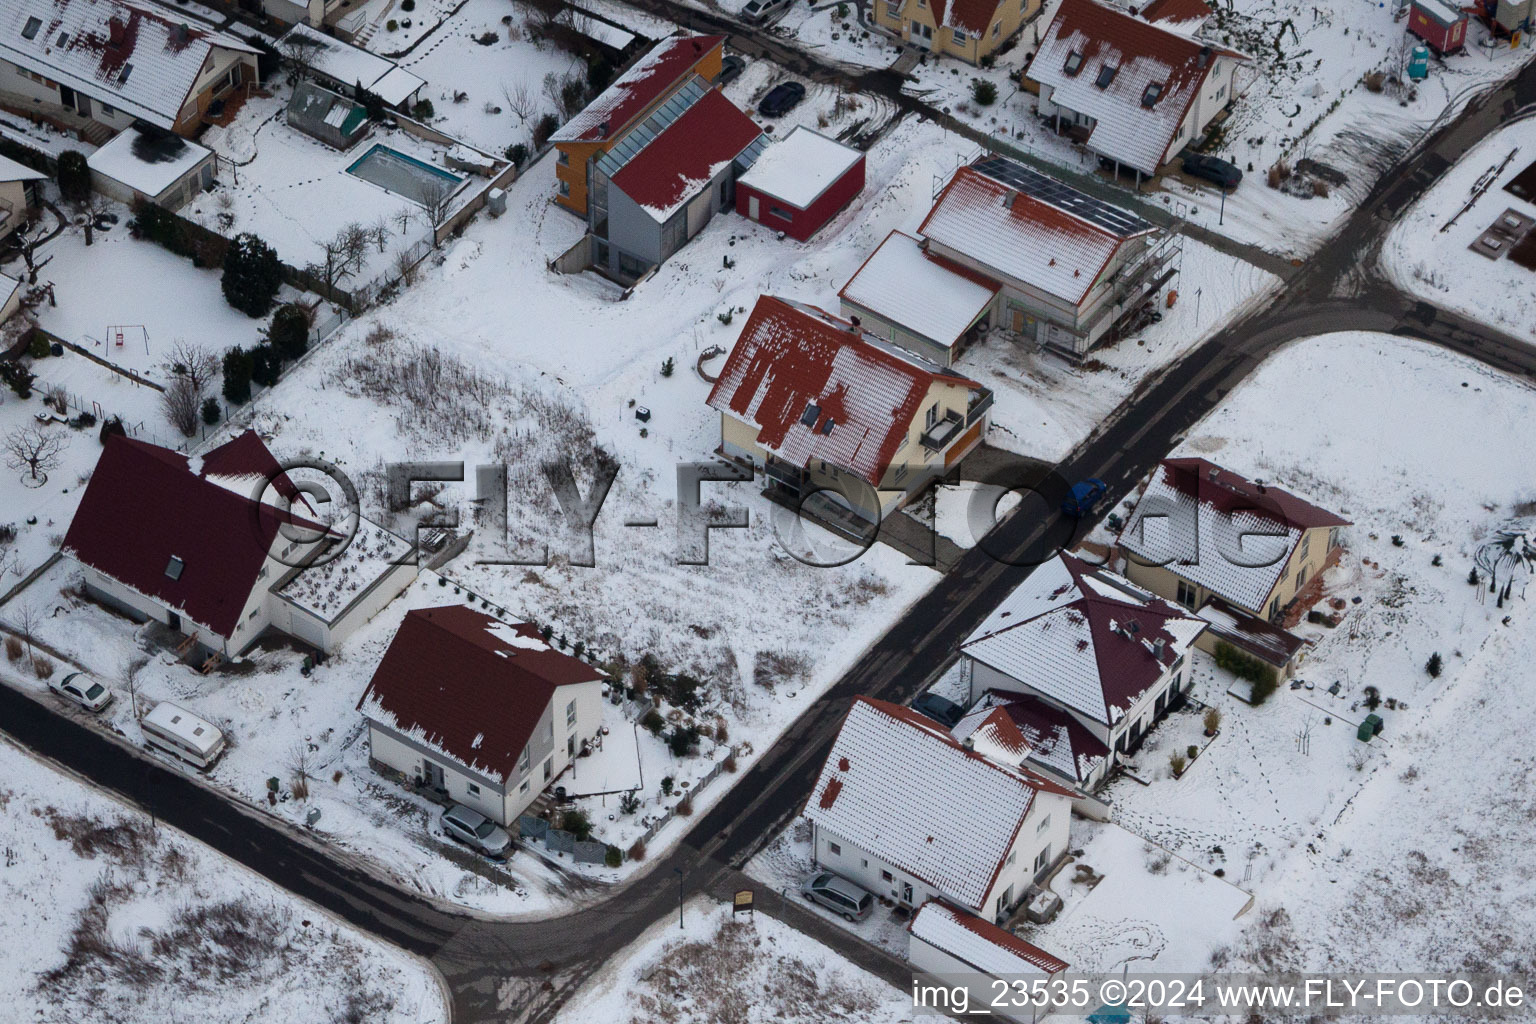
x=1030 y=238
x=897 y=785
x=1053 y=739
x=818 y=388
x=1219 y=530
x=1446 y=14
x=1083 y=637
x=1256 y=636
x=347 y=65
x=328 y=589
x=800 y=167
x=975 y=16
x=687 y=155
x=141 y=58
x=980 y=944
x=1178 y=15
x=926 y=294
x=653 y=76
x=468 y=685
x=10 y=170
x=1104 y=62
x=147 y=164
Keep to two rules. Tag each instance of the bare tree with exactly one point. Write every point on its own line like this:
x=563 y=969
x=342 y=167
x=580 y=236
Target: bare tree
x=379 y=232
x=301 y=769
x=28 y=619
x=355 y=242
x=130 y=678
x=405 y=266
x=403 y=218
x=521 y=101
x=182 y=402
x=30 y=450
x=333 y=262
x=299 y=53
x=554 y=87
x=192 y=362
x=434 y=198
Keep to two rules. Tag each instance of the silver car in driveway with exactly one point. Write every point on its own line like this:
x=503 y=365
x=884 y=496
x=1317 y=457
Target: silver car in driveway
x=84 y=689
x=475 y=829
x=838 y=895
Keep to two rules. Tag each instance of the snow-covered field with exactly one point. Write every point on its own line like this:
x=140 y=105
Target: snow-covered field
x=720 y=969
x=1428 y=255
x=1441 y=474
x=114 y=918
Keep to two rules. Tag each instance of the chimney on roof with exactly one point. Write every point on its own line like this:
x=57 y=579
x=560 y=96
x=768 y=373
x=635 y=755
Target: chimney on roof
x=179 y=34
x=1260 y=485
x=1157 y=648
x=855 y=321
x=1214 y=474
x=968 y=743
x=1205 y=55
x=604 y=128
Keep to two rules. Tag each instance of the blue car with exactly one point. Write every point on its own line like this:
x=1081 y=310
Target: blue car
x=1085 y=494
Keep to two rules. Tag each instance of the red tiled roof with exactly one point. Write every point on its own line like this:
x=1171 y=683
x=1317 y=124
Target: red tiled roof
x=1228 y=492
x=791 y=357
x=691 y=150
x=146 y=504
x=1175 y=12
x=648 y=80
x=1055 y=737
x=954 y=931
x=975 y=16
x=469 y=685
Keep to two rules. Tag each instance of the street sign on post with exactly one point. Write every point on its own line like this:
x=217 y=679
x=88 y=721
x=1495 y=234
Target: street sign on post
x=743 y=904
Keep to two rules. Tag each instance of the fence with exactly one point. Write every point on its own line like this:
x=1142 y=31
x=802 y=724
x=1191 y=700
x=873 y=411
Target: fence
x=560 y=842
x=699 y=787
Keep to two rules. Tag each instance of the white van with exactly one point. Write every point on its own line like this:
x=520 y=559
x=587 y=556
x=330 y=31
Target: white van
x=173 y=728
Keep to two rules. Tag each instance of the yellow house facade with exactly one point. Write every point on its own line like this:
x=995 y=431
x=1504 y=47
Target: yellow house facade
x=966 y=29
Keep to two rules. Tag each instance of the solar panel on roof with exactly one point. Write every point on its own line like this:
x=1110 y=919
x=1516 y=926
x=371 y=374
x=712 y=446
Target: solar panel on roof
x=1062 y=196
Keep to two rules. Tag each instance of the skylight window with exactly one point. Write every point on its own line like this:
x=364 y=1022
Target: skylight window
x=808 y=417
x=1074 y=62
x=63 y=38
x=826 y=428
x=173 y=567
x=123 y=75
x=1150 y=97
x=1106 y=75
x=29 y=31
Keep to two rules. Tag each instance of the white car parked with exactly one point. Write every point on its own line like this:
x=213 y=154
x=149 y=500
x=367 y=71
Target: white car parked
x=84 y=689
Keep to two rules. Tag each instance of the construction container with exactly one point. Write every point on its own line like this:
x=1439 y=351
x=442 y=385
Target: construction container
x=1368 y=728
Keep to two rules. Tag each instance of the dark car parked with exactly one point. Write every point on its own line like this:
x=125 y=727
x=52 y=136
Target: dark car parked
x=1210 y=168
x=781 y=99
x=1085 y=494
x=731 y=68
x=945 y=712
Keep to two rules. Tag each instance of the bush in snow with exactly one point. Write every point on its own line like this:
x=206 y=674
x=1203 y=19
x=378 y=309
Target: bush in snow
x=12 y=648
x=683 y=740
x=517 y=153
x=984 y=92
x=1246 y=666
x=289 y=332
x=1212 y=721
x=1434 y=665
x=613 y=857
x=1177 y=761
x=547 y=126
x=211 y=411
x=238 y=366
x=42 y=667
x=266 y=365
x=637 y=851
x=653 y=722
x=74 y=176
x=252 y=275
x=577 y=823
x=182 y=401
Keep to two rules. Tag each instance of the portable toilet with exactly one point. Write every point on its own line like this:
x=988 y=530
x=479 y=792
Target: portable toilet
x=1418 y=64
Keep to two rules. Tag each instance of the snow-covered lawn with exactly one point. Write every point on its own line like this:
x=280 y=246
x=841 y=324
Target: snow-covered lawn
x=1424 y=257
x=1125 y=900
x=1423 y=480
x=721 y=969
x=113 y=918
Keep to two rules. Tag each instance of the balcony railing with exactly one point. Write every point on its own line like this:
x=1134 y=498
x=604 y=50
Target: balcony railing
x=944 y=431
x=979 y=406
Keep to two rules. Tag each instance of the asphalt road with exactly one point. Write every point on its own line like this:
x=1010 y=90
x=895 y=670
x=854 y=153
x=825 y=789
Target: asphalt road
x=499 y=971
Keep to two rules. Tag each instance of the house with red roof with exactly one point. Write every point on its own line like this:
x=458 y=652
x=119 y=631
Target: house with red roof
x=1103 y=658
x=967 y=29
x=1244 y=553
x=483 y=712
x=945 y=941
x=906 y=811
x=220 y=548
x=1072 y=271
x=660 y=186
x=844 y=425
x=1134 y=91
x=626 y=104
x=95 y=67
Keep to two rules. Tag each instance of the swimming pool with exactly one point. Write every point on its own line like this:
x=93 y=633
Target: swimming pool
x=403 y=175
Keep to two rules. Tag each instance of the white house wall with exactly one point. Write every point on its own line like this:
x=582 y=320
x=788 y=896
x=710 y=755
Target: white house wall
x=951 y=971
x=406 y=758
x=863 y=868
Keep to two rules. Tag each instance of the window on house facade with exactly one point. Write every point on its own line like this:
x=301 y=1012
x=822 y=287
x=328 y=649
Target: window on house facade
x=523 y=762
x=893 y=8
x=958 y=34
x=565 y=189
x=1188 y=594
x=931 y=417
x=548 y=767
x=834 y=849
x=997 y=30
x=570 y=715
x=570 y=745
x=780 y=212
x=1013 y=855
x=523 y=789
x=886 y=876
x=1043 y=860
x=1221 y=92
x=1045 y=823
x=1301 y=577
x=473 y=789
x=563 y=159
x=1333 y=538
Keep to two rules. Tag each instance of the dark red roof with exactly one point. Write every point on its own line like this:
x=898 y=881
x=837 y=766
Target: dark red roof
x=1173 y=12
x=687 y=154
x=469 y=685
x=1227 y=492
x=791 y=357
x=145 y=505
x=1040 y=723
x=651 y=77
x=975 y=16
